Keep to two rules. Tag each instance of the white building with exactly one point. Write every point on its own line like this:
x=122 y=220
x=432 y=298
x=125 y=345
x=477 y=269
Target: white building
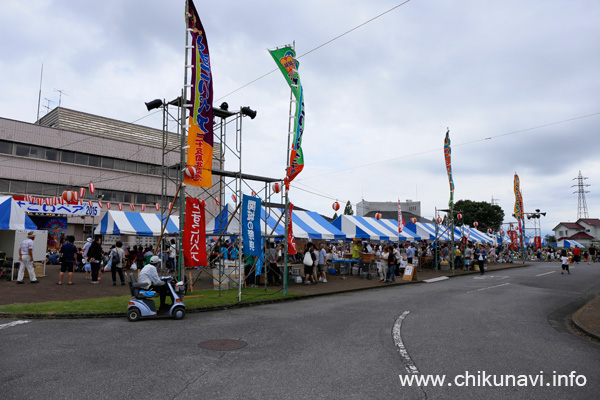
x=585 y=231
x=69 y=149
x=364 y=207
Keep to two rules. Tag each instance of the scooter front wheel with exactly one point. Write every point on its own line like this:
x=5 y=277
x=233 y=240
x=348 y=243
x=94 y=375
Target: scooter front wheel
x=134 y=314
x=179 y=313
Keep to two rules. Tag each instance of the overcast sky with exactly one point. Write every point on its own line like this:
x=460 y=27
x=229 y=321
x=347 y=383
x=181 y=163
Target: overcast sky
x=517 y=83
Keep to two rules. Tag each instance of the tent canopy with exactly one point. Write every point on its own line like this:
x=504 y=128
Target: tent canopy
x=133 y=223
x=427 y=231
x=13 y=217
x=567 y=243
x=305 y=224
x=373 y=229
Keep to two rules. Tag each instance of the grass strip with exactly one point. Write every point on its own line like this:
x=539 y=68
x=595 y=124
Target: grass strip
x=210 y=298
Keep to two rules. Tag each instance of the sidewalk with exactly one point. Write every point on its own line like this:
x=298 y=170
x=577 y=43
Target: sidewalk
x=587 y=318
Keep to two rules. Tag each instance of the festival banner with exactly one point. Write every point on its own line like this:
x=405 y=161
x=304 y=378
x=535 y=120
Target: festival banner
x=200 y=133
x=251 y=210
x=514 y=239
x=538 y=242
x=447 y=153
x=194 y=233
x=518 y=200
x=291 y=241
x=285 y=58
x=400 y=218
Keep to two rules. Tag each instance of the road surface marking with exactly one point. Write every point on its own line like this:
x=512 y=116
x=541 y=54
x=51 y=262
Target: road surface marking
x=441 y=278
x=411 y=368
x=489 y=287
x=546 y=273
x=14 y=323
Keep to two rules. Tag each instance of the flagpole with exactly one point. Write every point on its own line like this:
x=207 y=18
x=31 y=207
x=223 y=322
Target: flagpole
x=287 y=197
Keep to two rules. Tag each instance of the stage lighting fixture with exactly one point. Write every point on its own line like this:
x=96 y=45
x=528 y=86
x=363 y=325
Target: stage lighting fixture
x=249 y=112
x=224 y=106
x=151 y=105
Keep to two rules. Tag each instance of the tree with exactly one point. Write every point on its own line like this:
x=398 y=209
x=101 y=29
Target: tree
x=335 y=216
x=550 y=239
x=487 y=215
x=348 y=210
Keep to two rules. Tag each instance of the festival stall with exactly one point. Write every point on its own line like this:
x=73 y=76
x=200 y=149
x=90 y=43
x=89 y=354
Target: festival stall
x=426 y=230
x=14 y=225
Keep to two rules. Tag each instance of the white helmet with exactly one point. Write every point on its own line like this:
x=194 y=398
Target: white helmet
x=154 y=260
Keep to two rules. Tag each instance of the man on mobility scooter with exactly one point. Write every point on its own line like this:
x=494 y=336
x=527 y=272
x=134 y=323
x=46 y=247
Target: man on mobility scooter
x=142 y=305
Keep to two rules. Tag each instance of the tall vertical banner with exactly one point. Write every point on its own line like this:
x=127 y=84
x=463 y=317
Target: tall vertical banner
x=194 y=233
x=251 y=210
x=518 y=200
x=400 y=218
x=291 y=241
x=285 y=58
x=200 y=132
x=447 y=153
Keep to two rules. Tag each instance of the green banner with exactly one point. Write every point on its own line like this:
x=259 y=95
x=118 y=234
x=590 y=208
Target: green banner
x=285 y=58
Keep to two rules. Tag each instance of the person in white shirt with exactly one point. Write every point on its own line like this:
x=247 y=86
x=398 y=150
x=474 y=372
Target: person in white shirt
x=26 y=259
x=149 y=278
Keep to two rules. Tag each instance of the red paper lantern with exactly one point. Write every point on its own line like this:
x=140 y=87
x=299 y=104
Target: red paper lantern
x=336 y=206
x=143 y=207
x=190 y=172
x=120 y=207
x=459 y=216
x=276 y=187
x=157 y=206
x=100 y=204
x=413 y=220
x=378 y=216
x=107 y=206
x=81 y=193
x=92 y=188
x=234 y=198
x=67 y=196
x=489 y=230
x=91 y=203
x=439 y=220
x=217 y=201
x=132 y=206
x=253 y=193
x=475 y=224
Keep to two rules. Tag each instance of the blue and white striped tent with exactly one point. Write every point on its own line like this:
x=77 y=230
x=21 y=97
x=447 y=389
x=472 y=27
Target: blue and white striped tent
x=385 y=230
x=13 y=217
x=567 y=244
x=133 y=223
x=305 y=224
x=427 y=231
x=474 y=235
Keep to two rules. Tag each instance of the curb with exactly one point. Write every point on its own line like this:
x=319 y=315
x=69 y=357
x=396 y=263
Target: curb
x=580 y=326
x=239 y=305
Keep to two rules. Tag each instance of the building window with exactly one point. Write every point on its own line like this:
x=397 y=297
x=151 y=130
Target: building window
x=22 y=150
x=67 y=156
x=18 y=187
x=37 y=152
x=52 y=154
x=4 y=186
x=108 y=163
x=82 y=159
x=94 y=161
x=6 y=147
x=120 y=164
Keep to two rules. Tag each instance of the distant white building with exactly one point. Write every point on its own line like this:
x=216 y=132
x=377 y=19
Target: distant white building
x=585 y=231
x=364 y=207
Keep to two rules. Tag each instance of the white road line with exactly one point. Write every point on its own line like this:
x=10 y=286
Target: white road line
x=489 y=287
x=546 y=273
x=440 y=278
x=14 y=323
x=411 y=368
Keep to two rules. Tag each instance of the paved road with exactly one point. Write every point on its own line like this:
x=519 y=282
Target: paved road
x=350 y=346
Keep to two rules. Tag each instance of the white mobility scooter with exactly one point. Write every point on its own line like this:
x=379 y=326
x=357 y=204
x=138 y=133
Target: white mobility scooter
x=142 y=305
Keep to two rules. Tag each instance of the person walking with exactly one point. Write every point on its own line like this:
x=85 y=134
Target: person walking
x=392 y=261
x=67 y=254
x=410 y=253
x=117 y=255
x=26 y=259
x=172 y=255
x=564 y=259
x=95 y=258
x=309 y=261
x=273 y=270
x=323 y=264
x=481 y=255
